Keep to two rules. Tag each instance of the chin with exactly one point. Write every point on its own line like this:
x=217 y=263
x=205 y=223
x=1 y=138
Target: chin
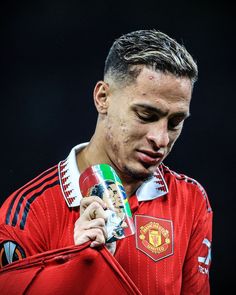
x=139 y=174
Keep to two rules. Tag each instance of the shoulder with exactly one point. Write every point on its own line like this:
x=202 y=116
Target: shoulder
x=186 y=186
x=33 y=194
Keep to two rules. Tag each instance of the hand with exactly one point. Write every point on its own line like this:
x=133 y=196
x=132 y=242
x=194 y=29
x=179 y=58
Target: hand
x=90 y=226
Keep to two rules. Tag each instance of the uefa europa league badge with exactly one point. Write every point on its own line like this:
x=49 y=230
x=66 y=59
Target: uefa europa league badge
x=102 y=181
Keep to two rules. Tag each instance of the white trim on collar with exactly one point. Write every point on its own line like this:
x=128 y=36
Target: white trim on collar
x=152 y=188
x=69 y=181
x=69 y=177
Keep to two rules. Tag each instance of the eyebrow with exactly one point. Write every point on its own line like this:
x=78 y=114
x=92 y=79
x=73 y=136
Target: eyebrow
x=160 y=112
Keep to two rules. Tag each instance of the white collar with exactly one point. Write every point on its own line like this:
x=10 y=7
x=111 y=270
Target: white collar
x=69 y=180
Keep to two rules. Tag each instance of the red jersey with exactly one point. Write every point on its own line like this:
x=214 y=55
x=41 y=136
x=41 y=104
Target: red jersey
x=57 y=272
x=170 y=252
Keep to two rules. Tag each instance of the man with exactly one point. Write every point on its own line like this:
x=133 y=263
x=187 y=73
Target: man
x=142 y=104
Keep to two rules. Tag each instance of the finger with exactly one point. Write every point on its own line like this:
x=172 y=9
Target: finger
x=93 y=211
x=95 y=235
x=86 y=201
x=97 y=223
x=81 y=225
x=86 y=225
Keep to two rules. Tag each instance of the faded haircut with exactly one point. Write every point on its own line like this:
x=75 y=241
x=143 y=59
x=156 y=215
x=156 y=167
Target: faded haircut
x=150 y=48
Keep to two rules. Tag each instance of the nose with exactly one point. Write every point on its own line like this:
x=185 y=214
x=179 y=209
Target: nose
x=158 y=135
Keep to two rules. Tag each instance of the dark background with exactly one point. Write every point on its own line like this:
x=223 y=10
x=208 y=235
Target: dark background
x=52 y=53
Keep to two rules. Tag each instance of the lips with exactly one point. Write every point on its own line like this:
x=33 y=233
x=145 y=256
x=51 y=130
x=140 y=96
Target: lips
x=149 y=157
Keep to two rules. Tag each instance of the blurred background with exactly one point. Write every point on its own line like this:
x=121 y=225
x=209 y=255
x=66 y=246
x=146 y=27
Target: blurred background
x=51 y=55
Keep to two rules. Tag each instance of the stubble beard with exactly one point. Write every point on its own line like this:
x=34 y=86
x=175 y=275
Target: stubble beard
x=137 y=176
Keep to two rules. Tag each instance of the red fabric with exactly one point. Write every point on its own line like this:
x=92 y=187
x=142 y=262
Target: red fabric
x=73 y=270
x=186 y=205
x=49 y=225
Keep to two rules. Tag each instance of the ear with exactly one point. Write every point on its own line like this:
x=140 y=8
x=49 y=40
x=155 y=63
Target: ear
x=100 y=95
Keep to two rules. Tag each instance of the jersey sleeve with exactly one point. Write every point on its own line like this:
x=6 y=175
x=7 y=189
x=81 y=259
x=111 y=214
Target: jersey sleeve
x=198 y=257
x=17 y=241
x=26 y=225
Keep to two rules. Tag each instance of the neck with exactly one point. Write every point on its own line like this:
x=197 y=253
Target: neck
x=131 y=187
x=88 y=156
x=94 y=154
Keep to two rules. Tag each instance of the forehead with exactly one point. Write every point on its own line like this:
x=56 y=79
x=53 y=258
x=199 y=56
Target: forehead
x=156 y=87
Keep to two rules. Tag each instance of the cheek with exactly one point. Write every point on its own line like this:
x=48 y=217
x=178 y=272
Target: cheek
x=131 y=133
x=173 y=137
x=122 y=134
x=116 y=134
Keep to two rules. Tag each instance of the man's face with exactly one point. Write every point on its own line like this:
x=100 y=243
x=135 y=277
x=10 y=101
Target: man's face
x=115 y=196
x=143 y=121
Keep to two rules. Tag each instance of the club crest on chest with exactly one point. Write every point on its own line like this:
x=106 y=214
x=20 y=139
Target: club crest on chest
x=154 y=236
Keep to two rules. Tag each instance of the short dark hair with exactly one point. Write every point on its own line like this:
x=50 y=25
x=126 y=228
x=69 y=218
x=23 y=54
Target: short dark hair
x=98 y=189
x=150 y=48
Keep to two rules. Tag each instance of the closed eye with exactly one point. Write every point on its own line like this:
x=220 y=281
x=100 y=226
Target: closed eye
x=147 y=117
x=176 y=122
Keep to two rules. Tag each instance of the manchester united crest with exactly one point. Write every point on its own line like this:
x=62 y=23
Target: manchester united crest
x=154 y=236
